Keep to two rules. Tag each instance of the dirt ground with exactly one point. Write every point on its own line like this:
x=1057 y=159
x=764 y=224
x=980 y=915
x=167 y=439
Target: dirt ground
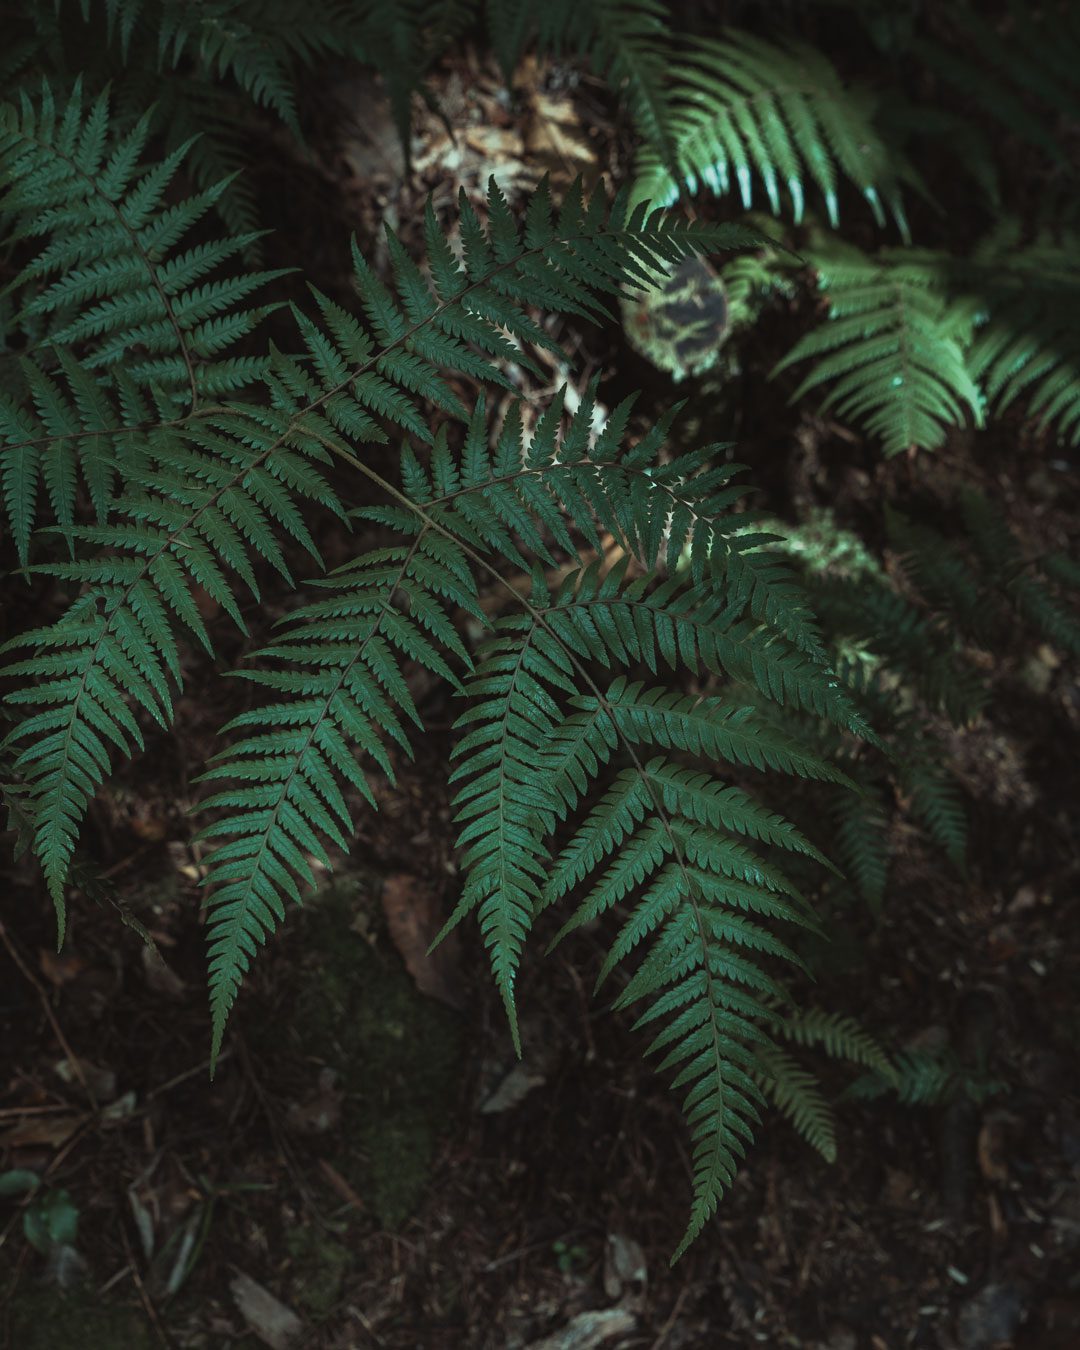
x=371 y=1167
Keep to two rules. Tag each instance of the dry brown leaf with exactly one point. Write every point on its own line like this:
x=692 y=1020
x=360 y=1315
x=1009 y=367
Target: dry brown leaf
x=38 y=1131
x=413 y=918
x=554 y=138
x=58 y=968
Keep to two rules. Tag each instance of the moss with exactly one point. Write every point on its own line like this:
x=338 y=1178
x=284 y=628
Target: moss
x=320 y=1264
x=395 y=1051
x=44 y=1319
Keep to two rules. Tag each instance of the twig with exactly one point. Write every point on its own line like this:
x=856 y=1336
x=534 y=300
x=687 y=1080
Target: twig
x=153 y=1316
x=673 y=1317
x=43 y=998
x=183 y=1077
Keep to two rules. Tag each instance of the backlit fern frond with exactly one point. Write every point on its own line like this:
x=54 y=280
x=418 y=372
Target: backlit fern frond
x=745 y=110
x=892 y=349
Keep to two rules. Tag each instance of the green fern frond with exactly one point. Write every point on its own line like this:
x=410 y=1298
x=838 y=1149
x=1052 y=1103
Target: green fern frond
x=938 y=571
x=841 y=1037
x=919 y=649
x=339 y=667
x=747 y=110
x=111 y=280
x=935 y=799
x=213 y=492
x=1001 y=555
x=1025 y=293
x=796 y=1094
x=861 y=842
x=892 y=348
x=208 y=497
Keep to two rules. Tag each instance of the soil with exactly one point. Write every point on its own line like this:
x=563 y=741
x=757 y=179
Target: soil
x=371 y=1154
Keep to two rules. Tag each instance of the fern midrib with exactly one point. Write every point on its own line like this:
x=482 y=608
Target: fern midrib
x=137 y=247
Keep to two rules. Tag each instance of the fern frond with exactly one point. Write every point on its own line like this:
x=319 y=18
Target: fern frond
x=1000 y=68
x=215 y=491
x=935 y=798
x=1001 y=555
x=112 y=280
x=68 y=421
x=207 y=498
x=841 y=1037
x=938 y=570
x=861 y=843
x=339 y=667
x=921 y=651
x=796 y=1094
x=747 y=110
x=1025 y=293
x=892 y=348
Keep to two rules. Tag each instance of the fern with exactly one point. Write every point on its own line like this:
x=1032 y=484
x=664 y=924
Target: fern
x=747 y=110
x=892 y=348
x=1025 y=294
x=1034 y=53
x=794 y=1090
x=213 y=489
x=542 y=741
x=112 y=284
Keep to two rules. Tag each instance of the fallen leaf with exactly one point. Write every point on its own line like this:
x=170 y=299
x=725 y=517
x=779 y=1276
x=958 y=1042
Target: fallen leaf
x=554 y=136
x=589 y=1329
x=101 y=1082
x=59 y=968
x=50 y=1131
x=275 y=1325
x=514 y=1088
x=413 y=918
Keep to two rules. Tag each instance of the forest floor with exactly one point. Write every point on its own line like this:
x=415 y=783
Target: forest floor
x=371 y=1167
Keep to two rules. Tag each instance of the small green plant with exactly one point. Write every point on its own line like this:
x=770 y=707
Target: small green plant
x=50 y=1221
x=569 y=1257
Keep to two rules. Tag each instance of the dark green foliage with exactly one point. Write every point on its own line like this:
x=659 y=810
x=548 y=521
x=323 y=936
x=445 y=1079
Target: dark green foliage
x=639 y=735
x=150 y=315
